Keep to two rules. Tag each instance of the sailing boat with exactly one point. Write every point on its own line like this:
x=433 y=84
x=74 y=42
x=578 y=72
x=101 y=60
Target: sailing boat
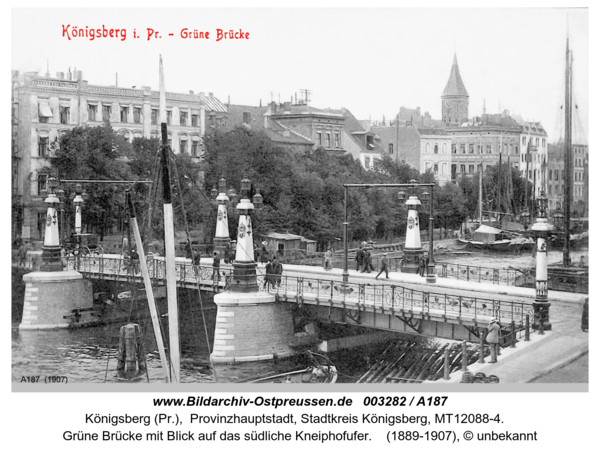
x=489 y=237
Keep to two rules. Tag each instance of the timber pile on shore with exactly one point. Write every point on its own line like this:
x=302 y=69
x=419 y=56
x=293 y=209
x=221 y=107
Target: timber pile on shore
x=408 y=362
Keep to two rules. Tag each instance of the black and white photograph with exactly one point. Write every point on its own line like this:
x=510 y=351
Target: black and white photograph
x=323 y=196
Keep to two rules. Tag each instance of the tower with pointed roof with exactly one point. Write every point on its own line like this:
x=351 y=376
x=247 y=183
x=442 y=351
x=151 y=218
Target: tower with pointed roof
x=455 y=99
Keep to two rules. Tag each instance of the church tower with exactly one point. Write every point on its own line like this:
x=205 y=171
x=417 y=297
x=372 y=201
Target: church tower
x=455 y=99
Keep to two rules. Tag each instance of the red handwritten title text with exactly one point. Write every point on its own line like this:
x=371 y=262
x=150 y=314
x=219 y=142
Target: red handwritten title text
x=74 y=32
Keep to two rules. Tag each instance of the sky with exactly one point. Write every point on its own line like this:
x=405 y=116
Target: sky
x=370 y=61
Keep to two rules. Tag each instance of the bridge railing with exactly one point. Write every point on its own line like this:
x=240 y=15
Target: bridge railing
x=119 y=266
x=396 y=297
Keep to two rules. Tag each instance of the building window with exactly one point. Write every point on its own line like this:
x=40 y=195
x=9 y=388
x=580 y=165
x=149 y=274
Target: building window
x=319 y=139
x=391 y=148
x=427 y=148
x=537 y=141
x=523 y=141
x=435 y=148
x=246 y=117
x=479 y=149
x=471 y=148
x=444 y=148
x=471 y=168
x=182 y=146
x=154 y=116
x=194 y=149
x=183 y=118
x=169 y=117
x=42 y=181
x=43 y=146
x=328 y=141
x=64 y=115
x=488 y=148
x=44 y=112
x=92 y=112
x=463 y=148
x=106 y=112
x=463 y=168
x=435 y=168
x=137 y=115
x=454 y=149
x=124 y=113
x=336 y=137
x=530 y=176
x=516 y=149
x=444 y=168
x=195 y=120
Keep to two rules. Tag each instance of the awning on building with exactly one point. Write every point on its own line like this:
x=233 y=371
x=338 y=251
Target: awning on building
x=44 y=109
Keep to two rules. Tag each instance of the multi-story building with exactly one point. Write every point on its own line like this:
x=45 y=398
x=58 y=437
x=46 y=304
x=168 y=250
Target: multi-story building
x=45 y=107
x=436 y=157
x=556 y=178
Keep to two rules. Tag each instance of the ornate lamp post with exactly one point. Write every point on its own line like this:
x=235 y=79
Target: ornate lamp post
x=431 y=276
x=221 y=239
x=542 y=230
x=78 y=201
x=51 y=259
x=244 y=267
x=412 y=244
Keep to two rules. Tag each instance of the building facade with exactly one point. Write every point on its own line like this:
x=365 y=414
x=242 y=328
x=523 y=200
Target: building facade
x=556 y=178
x=436 y=155
x=44 y=107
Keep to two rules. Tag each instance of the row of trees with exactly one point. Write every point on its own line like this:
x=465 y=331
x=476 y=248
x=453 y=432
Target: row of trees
x=303 y=193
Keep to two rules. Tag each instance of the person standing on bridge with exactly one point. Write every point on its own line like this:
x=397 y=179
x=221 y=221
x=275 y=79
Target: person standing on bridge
x=327 y=265
x=216 y=265
x=268 y=275
x=493 y=338
x=277 y=272
x=359 y=258
x=383 y=266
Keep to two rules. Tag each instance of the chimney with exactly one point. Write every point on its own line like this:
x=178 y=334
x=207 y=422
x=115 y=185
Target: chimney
x=287 y=107
x=79 y=75
x=60 y=75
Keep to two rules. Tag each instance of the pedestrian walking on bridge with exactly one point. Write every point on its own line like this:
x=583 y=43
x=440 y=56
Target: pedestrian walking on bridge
x=383 y=266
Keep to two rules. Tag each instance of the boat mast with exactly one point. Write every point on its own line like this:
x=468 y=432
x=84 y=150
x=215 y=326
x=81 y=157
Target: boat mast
x=568 y=157
x=169 y=237
x=148 y=286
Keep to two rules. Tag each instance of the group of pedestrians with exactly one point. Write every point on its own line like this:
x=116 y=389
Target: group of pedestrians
x=273 y=272
x=364 y=261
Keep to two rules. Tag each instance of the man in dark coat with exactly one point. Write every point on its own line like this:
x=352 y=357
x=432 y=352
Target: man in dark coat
x=268 y=275
x=277 y=272
x=384 y=266
x=585 y=315
x=360 y=256
x=216 y=265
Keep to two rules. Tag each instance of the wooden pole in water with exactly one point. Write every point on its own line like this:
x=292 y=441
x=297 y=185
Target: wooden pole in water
x=149 y=292
x=447 y=364
x=131 y=358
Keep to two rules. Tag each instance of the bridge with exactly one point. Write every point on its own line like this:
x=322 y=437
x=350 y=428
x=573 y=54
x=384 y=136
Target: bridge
x=394 y=306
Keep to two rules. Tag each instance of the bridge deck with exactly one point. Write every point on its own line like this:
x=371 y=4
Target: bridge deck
x=354 y=298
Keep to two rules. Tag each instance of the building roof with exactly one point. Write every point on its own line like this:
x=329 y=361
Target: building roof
x=213 y=104
x=280 y=236
x=455 y=85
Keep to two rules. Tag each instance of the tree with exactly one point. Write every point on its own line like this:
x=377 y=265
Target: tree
x=91 y=153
